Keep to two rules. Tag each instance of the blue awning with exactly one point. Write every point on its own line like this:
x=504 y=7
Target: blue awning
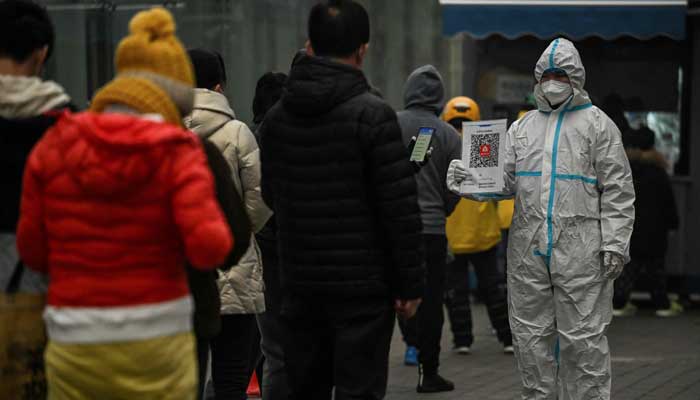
x=576 y=19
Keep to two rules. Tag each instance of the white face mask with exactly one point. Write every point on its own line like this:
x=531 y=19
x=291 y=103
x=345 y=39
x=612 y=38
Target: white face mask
x=556 y=92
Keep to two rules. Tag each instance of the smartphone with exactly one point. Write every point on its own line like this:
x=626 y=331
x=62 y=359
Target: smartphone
x=425 y=136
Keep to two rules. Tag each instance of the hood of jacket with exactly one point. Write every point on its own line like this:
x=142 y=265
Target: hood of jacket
x=561 y=54
x=425 y=89
x=317 y=85
x=211 y=112
x=25 y=97
x=111 y=154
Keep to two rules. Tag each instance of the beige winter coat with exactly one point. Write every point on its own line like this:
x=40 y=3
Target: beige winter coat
x=241 y=288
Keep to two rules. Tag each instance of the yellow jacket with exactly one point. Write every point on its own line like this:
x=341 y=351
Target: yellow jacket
x=505 y=212
x=473 y=227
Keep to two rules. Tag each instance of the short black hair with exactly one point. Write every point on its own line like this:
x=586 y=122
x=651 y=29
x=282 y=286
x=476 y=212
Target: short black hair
x=25 y=27
x=642 y=138
x=209 y=68
x=267 y=92
x=337 y=28
x=647 y=138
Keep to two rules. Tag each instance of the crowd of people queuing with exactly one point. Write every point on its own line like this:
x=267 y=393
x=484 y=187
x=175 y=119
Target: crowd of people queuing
x=173 y=239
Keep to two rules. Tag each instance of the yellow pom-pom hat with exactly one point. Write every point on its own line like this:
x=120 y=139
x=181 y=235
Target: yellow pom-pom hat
x=154 y=72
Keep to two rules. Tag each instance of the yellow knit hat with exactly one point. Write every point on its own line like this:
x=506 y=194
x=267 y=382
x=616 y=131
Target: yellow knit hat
x=154 y=72
x=153 y=47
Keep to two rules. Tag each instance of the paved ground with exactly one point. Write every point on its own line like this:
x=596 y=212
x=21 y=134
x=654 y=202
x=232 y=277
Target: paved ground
x=653 y=359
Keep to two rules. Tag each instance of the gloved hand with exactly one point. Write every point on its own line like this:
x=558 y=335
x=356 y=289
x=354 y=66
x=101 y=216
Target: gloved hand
x=613 y=264
x=456 y=174
x=418 y=165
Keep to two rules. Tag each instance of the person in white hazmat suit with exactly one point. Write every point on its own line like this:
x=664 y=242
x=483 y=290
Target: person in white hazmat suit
x=574 y=212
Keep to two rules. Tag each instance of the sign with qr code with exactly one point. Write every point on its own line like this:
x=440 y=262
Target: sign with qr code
x=482 y=153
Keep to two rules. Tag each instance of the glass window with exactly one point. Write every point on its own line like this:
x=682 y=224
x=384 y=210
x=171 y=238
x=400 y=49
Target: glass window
x=254 y=37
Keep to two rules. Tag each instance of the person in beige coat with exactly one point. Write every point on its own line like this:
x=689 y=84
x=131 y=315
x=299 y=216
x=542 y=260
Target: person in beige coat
x=241 y=288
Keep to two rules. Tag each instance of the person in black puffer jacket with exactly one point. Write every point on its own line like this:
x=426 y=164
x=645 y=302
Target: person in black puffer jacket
x=656 y=215
x=336 y=174
x=273 y=379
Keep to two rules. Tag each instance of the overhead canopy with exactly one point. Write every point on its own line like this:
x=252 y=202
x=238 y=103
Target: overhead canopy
x=576 y=19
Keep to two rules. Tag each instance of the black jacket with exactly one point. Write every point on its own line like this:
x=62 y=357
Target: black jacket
x=28 y=108
x=655 y=207
x=337 y=175
x=17 y=138
x=205 y=292
x=267 y=241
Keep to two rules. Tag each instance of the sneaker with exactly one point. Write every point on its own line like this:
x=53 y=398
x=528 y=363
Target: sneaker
x=673 y=311
x=508 y=350
x=463 y=350
x=253 y=387
x=433 y=383
x=627 y=311
x=411 y=356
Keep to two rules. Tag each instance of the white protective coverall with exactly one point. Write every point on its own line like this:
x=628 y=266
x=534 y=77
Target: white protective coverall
x=574 y=199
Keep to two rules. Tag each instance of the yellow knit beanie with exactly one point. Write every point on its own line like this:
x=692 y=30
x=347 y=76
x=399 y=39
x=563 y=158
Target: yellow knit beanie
x=154 y=72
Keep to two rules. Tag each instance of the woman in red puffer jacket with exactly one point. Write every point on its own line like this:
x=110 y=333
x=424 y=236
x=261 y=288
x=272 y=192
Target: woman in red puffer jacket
x=114 y=201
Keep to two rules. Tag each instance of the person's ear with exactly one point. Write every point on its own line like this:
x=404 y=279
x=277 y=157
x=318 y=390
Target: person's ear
x=360 y=54
x=38 y=58
x=219 y=88
x=309 y=48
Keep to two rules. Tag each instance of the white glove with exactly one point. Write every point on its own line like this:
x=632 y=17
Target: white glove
x=456 y=174
x=613 y=264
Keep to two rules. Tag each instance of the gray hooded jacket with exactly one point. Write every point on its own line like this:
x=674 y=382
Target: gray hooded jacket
x=424 y=98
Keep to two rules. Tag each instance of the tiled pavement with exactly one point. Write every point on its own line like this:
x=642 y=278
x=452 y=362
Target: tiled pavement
x=653 y=359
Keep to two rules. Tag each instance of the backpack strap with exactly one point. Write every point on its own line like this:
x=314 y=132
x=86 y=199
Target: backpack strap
x=15 y=278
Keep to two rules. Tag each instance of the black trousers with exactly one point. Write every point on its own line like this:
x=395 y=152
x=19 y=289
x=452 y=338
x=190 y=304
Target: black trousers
x=491 y=284
x=257 y=359
x=409 y=331
x=337 y=345
x=430 y=317
x=650 y=268
x=273 y=379
x=231 y=358
x=202 y=363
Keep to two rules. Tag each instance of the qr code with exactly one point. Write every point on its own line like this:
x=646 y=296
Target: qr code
x=484 y=151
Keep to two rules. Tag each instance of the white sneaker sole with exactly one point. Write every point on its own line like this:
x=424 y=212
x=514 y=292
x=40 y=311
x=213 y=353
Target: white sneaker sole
x=668 y=314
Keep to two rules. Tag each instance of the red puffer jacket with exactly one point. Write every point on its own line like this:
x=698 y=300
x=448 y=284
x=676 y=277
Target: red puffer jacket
x=112 y=205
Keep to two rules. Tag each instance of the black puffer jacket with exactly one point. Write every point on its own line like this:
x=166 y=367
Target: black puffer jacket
x=336 y=173
x=655 y=206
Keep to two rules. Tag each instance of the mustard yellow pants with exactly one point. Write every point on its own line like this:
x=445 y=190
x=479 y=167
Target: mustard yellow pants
x=163 y=368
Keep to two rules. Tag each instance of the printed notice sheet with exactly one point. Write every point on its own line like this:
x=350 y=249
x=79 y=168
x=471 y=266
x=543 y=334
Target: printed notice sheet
x=483 y=145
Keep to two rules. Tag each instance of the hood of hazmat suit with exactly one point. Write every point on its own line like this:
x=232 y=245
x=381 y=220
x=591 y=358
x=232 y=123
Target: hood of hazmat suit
x=574 y=199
